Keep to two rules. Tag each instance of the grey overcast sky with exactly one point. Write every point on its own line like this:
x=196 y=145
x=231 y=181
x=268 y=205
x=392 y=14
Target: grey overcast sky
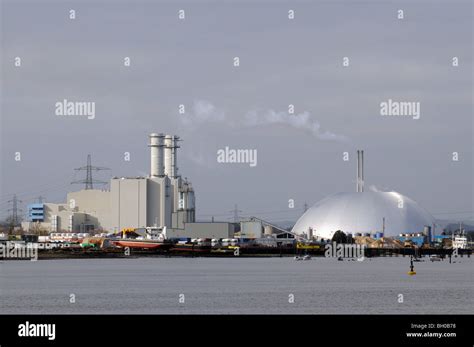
x=282 y=62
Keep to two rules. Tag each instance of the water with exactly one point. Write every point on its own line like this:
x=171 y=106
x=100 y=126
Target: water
x=236 y=285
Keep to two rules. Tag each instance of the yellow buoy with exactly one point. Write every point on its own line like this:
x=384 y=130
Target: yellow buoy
x=412 y=268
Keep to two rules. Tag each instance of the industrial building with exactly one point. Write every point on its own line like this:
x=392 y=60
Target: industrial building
x=363 y=212
x=163 y=200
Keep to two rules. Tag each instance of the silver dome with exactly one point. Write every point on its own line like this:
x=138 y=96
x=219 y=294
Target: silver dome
x=363 y=212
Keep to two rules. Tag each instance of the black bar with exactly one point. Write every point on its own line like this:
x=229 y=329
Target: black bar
x=179 y=330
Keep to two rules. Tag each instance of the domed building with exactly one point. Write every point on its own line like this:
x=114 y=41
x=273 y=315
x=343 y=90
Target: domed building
x=363 y=212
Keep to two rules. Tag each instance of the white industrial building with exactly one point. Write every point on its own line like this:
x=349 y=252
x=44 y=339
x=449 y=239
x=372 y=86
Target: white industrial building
x=163 y=199
x=363 y=212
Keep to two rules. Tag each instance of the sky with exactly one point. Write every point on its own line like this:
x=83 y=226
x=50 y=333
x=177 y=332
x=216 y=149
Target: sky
x=283 y=62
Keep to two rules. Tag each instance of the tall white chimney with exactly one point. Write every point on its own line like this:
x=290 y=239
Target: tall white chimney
x=171 y=156
x=362 y=171
x=358 y=172
x=156 y=155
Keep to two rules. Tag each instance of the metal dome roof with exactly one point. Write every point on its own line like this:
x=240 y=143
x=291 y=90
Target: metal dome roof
x=363 y=212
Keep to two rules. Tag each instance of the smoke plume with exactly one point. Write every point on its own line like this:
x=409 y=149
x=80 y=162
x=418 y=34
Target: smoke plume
x=204 y=112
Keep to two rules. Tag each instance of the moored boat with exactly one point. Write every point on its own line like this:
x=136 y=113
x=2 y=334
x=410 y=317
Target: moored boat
x=134 y=243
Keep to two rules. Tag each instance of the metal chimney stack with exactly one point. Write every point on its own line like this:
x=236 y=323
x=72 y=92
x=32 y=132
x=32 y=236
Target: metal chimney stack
x=156 y=155
x=360 y=172
x=171 y=156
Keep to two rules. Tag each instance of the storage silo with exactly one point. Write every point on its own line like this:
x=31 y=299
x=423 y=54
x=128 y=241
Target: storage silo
x=251 y=229
x=268 y=230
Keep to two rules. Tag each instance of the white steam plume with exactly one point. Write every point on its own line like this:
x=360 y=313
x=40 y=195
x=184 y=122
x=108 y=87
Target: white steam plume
x=205 y=112
x=298 y=121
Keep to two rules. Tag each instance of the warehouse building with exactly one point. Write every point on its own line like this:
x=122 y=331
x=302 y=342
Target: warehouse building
x=206 y=230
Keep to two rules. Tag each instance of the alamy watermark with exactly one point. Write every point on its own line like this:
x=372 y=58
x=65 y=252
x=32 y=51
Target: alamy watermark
x=237 y=156
x=75 y=108
x=400 y=108
x=14 y=250
x=343 y=250
x=28 y=329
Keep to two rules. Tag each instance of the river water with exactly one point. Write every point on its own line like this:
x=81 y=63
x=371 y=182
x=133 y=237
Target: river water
x=236 y=285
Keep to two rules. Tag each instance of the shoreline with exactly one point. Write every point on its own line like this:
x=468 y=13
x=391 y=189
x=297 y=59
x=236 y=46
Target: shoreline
x=71 y=253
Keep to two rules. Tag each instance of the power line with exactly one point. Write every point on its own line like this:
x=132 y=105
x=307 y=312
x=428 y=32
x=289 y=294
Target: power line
x=35 y=192
x=14 y=219
x=236 y=211
x=294 y=210
x=89 y=181
x=31 y=196
x=463 y=212
x=305 y=208
x=34 y=189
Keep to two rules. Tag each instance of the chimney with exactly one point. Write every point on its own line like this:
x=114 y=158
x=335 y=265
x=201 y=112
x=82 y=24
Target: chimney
x=362 y=171
x=358 y=172
x=171 y=155
x=156 y=155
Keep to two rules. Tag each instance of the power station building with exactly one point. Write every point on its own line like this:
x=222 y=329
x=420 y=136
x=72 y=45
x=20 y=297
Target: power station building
x=163 y=199
x=363 y=212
